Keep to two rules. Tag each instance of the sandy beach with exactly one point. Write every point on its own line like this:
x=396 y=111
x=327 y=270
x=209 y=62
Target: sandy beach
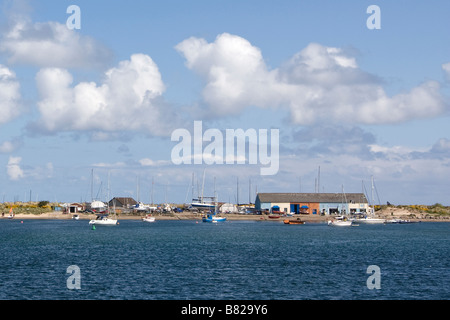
x=389 y=213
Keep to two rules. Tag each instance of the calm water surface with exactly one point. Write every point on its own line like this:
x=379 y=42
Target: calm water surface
x=177 y=260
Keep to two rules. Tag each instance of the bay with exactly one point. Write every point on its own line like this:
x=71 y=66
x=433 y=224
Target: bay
x=235 y=260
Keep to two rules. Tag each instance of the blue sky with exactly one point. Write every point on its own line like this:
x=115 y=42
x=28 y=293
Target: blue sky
x=356 y=102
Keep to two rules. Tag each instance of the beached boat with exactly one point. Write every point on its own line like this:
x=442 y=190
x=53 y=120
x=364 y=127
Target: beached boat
x=11 y=214
x=203 y=204
x=298 y=221
x=213 y=218
x=148 y=218
x=274 y=216
x=103 y=220
x=75 y=217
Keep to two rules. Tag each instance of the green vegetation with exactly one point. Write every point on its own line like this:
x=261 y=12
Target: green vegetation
x=26 y=208
x=436 y=210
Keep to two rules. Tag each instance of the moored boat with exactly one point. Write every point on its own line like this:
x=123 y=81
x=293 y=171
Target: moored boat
x=298 y=221
x=148 y=218
x=399 y=221
x=370 y=220
x=213 y=218
x=103 y=220
x=340 y=223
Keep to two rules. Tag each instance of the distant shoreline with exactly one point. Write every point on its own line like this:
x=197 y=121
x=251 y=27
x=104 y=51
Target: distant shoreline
x=231 y=217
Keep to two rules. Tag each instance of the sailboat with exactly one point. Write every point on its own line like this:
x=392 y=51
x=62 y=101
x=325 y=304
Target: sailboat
x=103 y=220
x=370 y=219
x=212 y=216
x=340 y=222
x=202 y=202
x=11 y=214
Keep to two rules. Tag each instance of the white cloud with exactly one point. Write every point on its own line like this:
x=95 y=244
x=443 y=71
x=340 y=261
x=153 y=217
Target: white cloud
x=109 y=165
x=446 y=68
x=147 y=162
x=441 y=147
x=51 y=44
x=317 y=84
x=128 y=99
x=10 y=106
x=6 y=147
x=13 y=168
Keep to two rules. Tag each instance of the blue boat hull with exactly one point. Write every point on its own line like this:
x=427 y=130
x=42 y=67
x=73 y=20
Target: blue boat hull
x=210 y=218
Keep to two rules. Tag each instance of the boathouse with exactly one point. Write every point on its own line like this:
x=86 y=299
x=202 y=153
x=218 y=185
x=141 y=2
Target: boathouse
x=312 y=203
x=122 y=203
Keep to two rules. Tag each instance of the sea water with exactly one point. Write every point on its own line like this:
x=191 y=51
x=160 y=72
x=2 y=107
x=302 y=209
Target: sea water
x=235 y=260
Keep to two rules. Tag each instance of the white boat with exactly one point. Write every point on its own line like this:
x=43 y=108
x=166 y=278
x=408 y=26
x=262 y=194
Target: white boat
x=144 y=207
x=148 y=219
x=340 y=223
x=11 y=214
x=98 y=206
x=76 y=217
x=103 y=220
x=399 y=221
x=370 y=220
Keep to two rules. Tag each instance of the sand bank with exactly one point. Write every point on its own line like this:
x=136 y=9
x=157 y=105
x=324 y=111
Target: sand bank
x=393 y=213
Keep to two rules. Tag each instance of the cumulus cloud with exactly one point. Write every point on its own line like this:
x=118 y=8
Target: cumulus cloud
x=147 y=162
x=51 y=44
x=317 y=84
x=13 y=168
x=446 y=68
x=11 y=145
x=10 y=106
x=128 y=99
x=331 y=140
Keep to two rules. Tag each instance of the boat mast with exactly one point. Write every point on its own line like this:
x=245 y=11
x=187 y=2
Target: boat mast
x=373 y=207
x=203 y=184
x=318 y=181
x=237 y=191
x=153 y=184
x=92 y=185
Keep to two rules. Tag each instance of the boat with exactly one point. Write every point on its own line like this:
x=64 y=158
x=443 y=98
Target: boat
x=103 y=220
x=298 y=221
x=274 y=216
x=148 y=218
x=98 y=206
x=11 y=214
x=399 y=221
x=213 y=218
x=144 y=207
x=75 y=217
x=370 y=220
x=201 y=204
x=340 y=223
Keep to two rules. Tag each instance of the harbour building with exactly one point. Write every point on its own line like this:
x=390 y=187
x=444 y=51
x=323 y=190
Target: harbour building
x=312 y=203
